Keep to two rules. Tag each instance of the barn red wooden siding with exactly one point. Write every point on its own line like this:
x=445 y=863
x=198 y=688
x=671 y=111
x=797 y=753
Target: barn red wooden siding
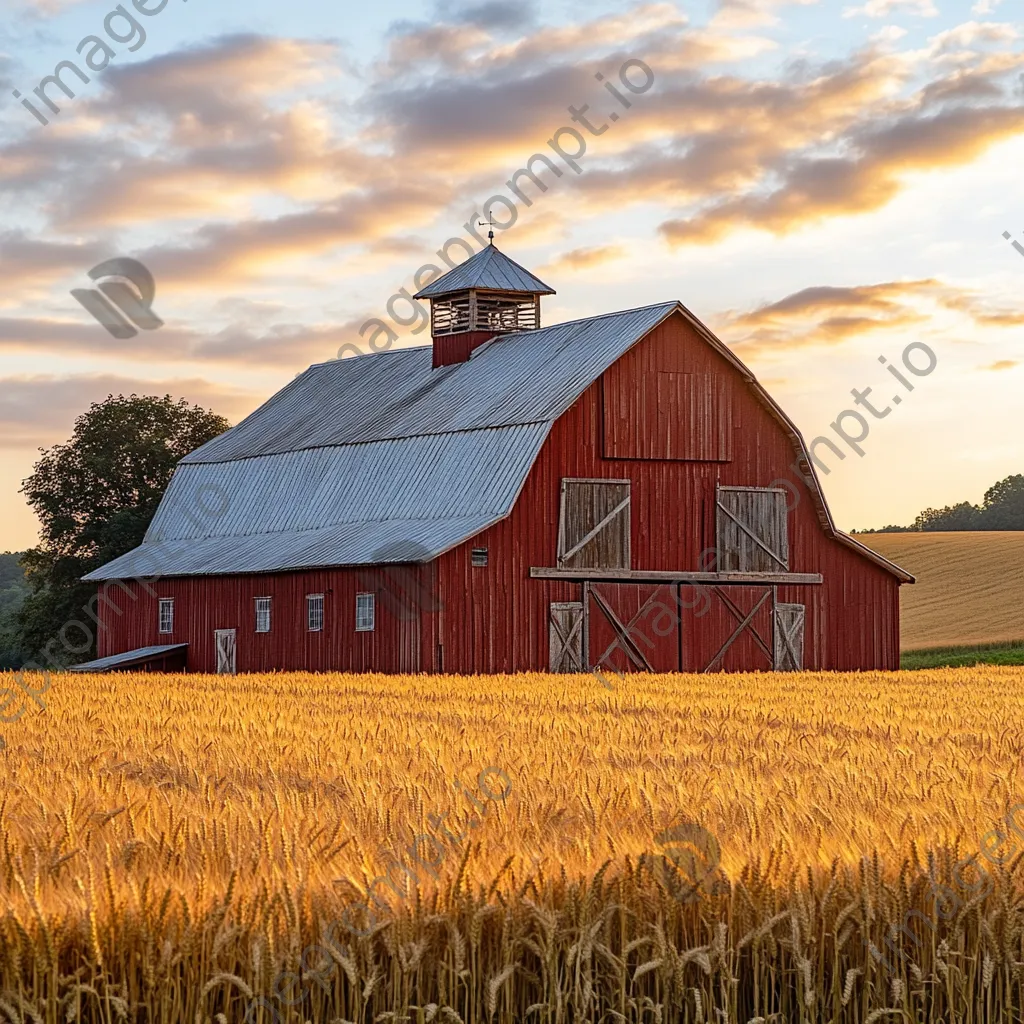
x=495 y=618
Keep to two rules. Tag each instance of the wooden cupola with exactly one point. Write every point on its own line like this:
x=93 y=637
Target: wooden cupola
x=487 y=295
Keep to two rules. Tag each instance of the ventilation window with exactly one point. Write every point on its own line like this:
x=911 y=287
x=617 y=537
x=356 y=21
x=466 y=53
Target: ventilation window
x=365 y=613
x=166 y=614
x=479 y=557
x=315 y=613
x=262 y=614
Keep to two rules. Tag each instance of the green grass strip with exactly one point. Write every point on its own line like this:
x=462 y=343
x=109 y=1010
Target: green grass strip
x=1009 y=652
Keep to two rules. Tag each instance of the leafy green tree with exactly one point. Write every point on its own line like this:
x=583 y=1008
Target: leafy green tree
x=13 y=591
x=94 y=497
x=1003 y=508
x=964 y=516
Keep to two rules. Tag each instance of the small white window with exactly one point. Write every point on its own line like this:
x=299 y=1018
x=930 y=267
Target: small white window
x=262 y=614
x=364 y=613
x=166 y=614
x=315 y=612
x=479 y=557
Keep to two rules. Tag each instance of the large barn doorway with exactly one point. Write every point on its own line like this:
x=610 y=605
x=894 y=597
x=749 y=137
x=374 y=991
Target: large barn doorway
x=638 y=627
x=632 y=627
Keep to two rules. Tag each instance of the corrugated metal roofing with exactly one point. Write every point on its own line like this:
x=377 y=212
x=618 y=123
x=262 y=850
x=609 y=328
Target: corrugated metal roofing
x=140 y=654
x=488 y=270
x=469 y=474
x=528 y=377
x=379 y=458
x=366 y=543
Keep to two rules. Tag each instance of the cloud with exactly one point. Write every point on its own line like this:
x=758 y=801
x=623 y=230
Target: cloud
x=40 y=410
x=585 y=259
x=824 y=315
x=750 y=13
x=886 y=8
x=251 y=342
x=814 y=188
x=829 y=315
x=25 y=260
x=1001 y=364
x=981 y=310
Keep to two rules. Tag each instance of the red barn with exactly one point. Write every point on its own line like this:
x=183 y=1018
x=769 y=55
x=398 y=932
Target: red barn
x=612 y=492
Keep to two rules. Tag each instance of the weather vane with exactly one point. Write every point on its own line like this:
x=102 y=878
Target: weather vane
x=492 y=225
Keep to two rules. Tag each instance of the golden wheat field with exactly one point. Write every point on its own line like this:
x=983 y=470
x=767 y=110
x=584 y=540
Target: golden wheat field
x=193 y=848
x=969 y=590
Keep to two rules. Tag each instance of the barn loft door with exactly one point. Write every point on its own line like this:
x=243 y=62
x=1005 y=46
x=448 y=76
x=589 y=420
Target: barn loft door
x=789 y=637
x=593 y=525
x=224 y=645
x=565 y=633
x=752 y=525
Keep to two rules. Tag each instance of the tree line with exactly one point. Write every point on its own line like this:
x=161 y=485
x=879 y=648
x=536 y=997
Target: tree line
x=1002 y=508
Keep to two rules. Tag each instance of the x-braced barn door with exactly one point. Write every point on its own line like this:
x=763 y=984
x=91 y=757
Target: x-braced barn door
x=224 y=644
x=594 y=524
x=748 y=608
x=752 y=529
x=565 y=632
x=789 y=637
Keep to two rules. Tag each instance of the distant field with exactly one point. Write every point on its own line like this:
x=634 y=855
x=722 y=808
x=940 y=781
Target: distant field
x=969 y=590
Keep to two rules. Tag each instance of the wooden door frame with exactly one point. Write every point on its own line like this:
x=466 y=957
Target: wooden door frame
x=217 y=634
x=567 y=638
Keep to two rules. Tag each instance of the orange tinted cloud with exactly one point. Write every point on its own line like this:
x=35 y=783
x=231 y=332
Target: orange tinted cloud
x=584 y=259
x=828 y=315
x=816 y=188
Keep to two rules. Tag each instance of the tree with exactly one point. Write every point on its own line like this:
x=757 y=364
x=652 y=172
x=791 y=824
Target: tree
x=963 y=516
x=1004 y=505
x=94 y=497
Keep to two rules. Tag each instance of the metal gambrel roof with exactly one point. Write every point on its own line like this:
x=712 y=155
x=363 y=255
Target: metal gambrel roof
x=528 y=377
x=488 y=270
x=377 y=459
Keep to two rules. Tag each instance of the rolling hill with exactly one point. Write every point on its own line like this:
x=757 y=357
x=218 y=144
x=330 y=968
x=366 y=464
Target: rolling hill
x=969 y=590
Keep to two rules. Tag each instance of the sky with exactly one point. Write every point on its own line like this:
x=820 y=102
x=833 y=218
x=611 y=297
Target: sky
x=822 y=183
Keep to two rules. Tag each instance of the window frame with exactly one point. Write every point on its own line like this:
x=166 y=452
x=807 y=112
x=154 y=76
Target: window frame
x=257 y=601
x=366 y=599
x=165 y=604
x=314 y=601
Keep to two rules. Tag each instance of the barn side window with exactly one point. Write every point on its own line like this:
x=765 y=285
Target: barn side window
x=166 y=614
x=365 y=613
x=753 y=531
x=594 y=524
x=315 y=612
x=479 y=557
x=262 y=614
